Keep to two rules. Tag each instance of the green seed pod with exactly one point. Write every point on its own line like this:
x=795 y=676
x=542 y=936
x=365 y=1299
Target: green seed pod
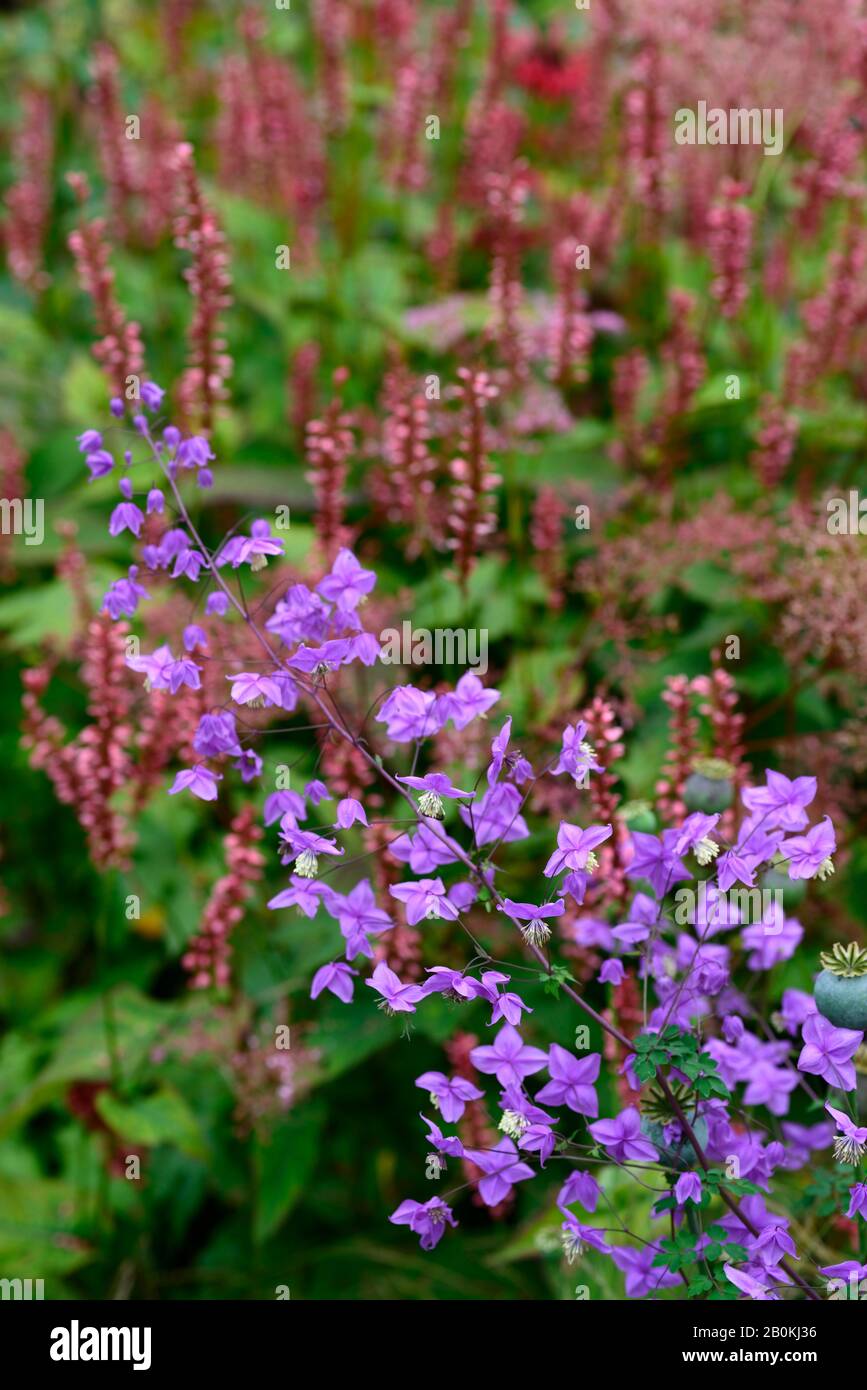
x=841 y=989
x=710 y=786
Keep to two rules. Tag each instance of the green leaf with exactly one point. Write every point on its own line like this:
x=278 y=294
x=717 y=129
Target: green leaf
x=283 y=1163
x=161 y=1118
x=698 y=1287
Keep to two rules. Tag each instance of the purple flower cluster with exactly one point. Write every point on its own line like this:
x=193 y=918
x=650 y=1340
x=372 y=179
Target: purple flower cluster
x=701 y=1036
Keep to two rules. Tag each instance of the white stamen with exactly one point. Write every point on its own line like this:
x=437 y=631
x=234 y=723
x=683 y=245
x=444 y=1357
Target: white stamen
x=536 y=933
x=431 y=804
x=307 y=864
x=513 y=1123
x=706 y=850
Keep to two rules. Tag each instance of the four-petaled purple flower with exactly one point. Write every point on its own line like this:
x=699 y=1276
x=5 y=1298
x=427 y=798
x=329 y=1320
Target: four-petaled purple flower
x=809 y=855
x=571 y=1081
x=828 y=1051
x=200 y=780
x=508 y=1058
x=575 y=849
x=425 y=1219
x=336 y=977
x=781 y=802
x=425 y=898
x=502 y=1168
x=622 y=1137
x=449 y=1094
x=397 y=998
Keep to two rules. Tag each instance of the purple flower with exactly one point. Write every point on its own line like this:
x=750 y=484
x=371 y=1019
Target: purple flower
x=306 y=845
x=687 y=1189
x=502 y=1168
x=579 y=1187
x=656 y=860
x=156 y=502
x=397 y=998
x=409 y=713
x=770 y=1086
x=152 y=395
x=348 y=583
x=810 y=854
x=452 y=982
x=428 y=849
x=200 y=780
x=216 y=734
x=540 y=1139
x=498 y=752
x=612 y=973
x=853 y=1144
x=772 y=940
x=845 y=1270
x=736 y=868
x=217 y=604
x=121 y=597
x=357 y=914
x=100 y=462
x=189 y=563
x=249 y=764
x=443 y=1143
x=773 y=1244
x=795 y=1008
x=571 y=1081
x=577 y=1237
x=317 y=791
x=450 y=1096
x=643 y=916
x=250 y=688
x=858 y=1200
x=194 y=452
x=425 y=1219
x=325 y=658
x=468 y=700
x=434 y=787
x=577 y=757
x=424 y=898
x=575 y=848
x=496 y=815
x=282 y=803
x=88 y=441
x=828 y=1051
x=253 y=549
x=506 y=1006
x=194 y=636
x=303 y=894
x=349 y=811
x=508 y=1058
x=337 y=977
x=622 y=1137
x=126 y=517
x=747 y=1284
x=693 y=833
x=642 y=1276
x=534 y=931
x=781 y=802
